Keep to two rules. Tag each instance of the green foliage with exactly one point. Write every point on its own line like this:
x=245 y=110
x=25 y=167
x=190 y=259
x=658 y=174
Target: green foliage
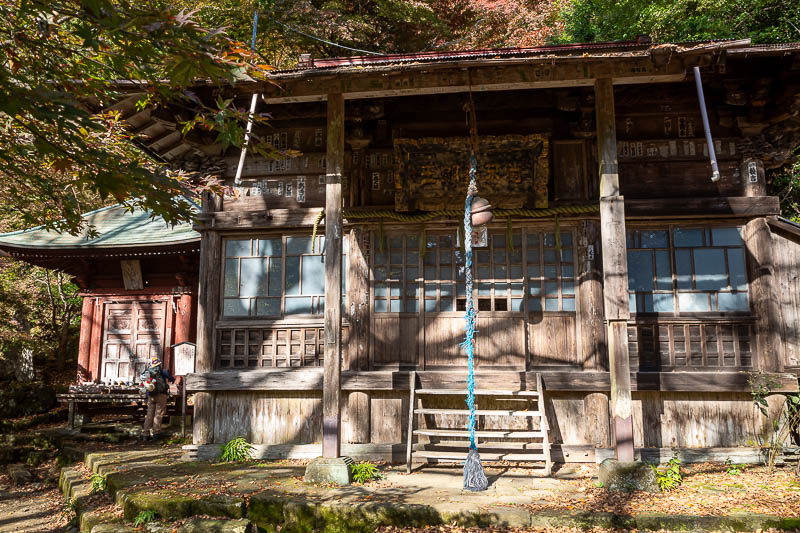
x=365 y=471
x=70 y=511
x=733 y=469
x=784 y=423
x=785 y=184
x=764 y=21
x=236 y=450
x=144 y=517
x=669 y=478
x=98 y=483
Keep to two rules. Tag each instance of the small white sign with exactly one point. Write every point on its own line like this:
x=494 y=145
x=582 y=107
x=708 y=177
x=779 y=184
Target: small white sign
x=184 y=356
x=480 y=237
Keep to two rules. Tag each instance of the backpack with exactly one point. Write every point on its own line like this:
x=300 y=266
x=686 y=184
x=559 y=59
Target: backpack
x=160 y=383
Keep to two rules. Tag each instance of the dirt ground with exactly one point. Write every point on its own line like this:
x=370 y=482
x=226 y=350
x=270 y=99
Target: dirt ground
x=31 y=508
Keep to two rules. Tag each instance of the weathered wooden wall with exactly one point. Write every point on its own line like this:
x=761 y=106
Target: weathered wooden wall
x=787 y=277
x=661 y=419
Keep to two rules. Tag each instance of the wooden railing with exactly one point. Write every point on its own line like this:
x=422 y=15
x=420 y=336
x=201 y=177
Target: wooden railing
x=691 y=344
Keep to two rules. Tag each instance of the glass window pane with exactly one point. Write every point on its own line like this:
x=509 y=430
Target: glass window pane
x=430 y=272
x=551 y=271
x=551 y=304
x=498 y=240
x=549 y=239
x=412 y=258
x=515 y=272
x=653 y=239
x=733 y=301
x=412 y=306
x=313 y=275
x=380 y=258
x=445 y=257
x=268 y=306
x=500 y=272
x=270 y=247
x=568 y=304
x=566 y=255
x=566 y=239
x=236 y=307
x=500 y=289
x=446 y=241
x=632 y=302
x=237 y=248
x=430 y=306
x=726 y=236
x=663 y=303
x=231 y=277
x=394 y=290
x=517 y=304
x=663 y=271
x=567 y=271
x=683 y=268
x=629 y=239
x=396 y=243
x=645 y=302
x=551 y=288
x=567 y=287
x=640 y=270
x=535 y=288
x=550 y=256
x=534 y=272
x=534 y=304
x=412 y=290
x=380 y=290
x=292 y=275
x=737 y=269
x=275 y=272
x=253 y=277
x=379 y=273
x=532 y=240
x=380 y=306
x=446 y=290
x=412 y=243
x=396 y=258
x=482 y=256
x=515 y=257
x=297 y=306
x=299 y=245
x=688 y=237
x=484 y=272
x=461 y=289
x=693 y=301
x=709 y=269
x=516 y=289
x=484 y=289
x=396 y=306
x=533 y=255
x=412 y=274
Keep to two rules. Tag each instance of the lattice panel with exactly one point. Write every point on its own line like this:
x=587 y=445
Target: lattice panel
x=663 y=346
x=242 y=348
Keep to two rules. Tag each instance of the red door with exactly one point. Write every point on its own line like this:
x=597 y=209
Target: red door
x=133 y=332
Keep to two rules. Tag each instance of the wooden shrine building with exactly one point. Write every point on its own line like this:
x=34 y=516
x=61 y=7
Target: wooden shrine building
x=138 y=280
x=640 y=292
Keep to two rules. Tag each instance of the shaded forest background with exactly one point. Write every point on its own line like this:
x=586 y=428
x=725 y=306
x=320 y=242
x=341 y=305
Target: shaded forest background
x=40 y=310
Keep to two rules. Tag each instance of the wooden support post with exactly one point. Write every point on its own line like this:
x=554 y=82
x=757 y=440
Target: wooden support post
x=758 y=241
x=358 y=298
x=615 y=271
x=85 y=342
x=207 y=310
x=331 y=386
x=590 y=299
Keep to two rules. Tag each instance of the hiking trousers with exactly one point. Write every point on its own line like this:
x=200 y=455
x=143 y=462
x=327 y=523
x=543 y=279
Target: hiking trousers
x=156 y=405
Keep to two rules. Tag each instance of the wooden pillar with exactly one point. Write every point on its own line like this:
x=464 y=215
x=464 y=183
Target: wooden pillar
x=590 y=296
x=758 y=241
x=331 y=387
x=615 y=271
x=752 y=171
x=183 y=323
x=85 y=342
x=96 y=342
x=207 y=310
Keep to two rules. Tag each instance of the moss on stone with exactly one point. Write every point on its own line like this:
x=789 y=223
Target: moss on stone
x=173 y=505
x=90 y=519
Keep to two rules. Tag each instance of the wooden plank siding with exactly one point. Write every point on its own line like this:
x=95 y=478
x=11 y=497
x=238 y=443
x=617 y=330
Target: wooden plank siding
x=787 y=278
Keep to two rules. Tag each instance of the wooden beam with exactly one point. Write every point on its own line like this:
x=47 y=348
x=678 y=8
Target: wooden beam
x=763 y=294
x=590 y=298
x=331 y=388
x=504 y=75
x=615 y=270
x=207 y=311
x=310 y=379
x=85 y=341
x=743 y=206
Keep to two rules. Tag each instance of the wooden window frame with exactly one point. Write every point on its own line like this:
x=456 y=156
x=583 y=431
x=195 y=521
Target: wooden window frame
x=317 y=300
x=675 y=291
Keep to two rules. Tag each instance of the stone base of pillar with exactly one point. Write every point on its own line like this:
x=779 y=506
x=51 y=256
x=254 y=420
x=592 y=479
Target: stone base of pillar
x=326 y=470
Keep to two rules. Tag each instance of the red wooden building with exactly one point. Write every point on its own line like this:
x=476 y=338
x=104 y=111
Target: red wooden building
x=138 y=279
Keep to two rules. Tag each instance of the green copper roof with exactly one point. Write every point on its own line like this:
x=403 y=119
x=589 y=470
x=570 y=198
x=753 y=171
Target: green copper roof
x=117 y=227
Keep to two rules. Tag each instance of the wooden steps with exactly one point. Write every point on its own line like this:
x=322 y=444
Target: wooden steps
x=451 y=444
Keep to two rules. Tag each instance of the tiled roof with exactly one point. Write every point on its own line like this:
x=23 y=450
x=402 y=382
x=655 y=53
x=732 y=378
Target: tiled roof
x=117 y=227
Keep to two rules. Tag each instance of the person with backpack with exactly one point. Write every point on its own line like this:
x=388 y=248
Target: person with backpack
x=154 y=380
